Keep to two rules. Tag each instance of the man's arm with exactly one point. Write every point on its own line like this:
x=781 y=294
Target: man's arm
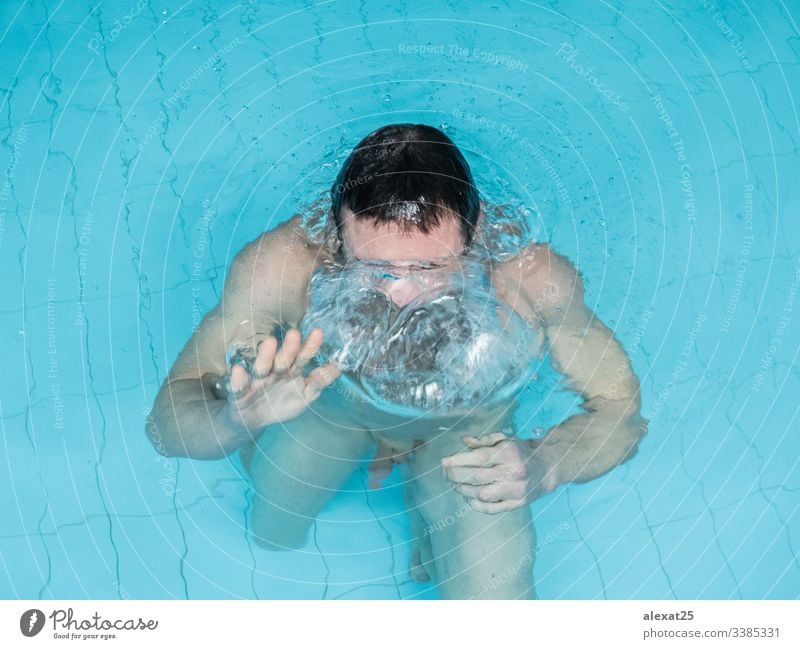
x=594 y=365
x=191 y=417
x=497 y=473
x=188 y=417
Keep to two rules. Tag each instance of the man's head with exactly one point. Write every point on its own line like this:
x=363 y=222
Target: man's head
x=405 y=193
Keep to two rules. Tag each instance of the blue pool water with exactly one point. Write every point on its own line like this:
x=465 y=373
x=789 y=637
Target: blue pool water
x=142 y=144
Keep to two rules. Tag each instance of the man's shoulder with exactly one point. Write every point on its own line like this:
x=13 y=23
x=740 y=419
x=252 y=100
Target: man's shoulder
x=283 y=252
x=539 y=261
x=548 y=278
x=276 y=246
x=553 y=266
x=272 y=270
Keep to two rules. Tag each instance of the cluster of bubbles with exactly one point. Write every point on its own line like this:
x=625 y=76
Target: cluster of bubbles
x=454 y=346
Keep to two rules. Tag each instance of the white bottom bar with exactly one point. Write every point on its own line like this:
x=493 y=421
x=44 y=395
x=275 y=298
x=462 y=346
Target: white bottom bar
x=388 y=625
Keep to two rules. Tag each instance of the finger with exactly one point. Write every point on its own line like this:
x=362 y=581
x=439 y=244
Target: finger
x=239 y=381
x=494 y=508
x=485 y=440
x=267 y=348
x=469 y=490
x=287 y=353
x=310 y=348
x=321 y=377
x=503 y=491
x=494 y=492
x=478 y=457
x=469 y=475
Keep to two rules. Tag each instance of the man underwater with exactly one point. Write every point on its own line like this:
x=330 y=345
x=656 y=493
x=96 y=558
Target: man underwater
x=429 y=341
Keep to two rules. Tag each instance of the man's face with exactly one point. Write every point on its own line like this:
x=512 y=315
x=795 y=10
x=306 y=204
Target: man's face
x=364 y=239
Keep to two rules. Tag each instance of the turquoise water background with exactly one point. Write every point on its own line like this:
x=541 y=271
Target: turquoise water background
x=142 y=144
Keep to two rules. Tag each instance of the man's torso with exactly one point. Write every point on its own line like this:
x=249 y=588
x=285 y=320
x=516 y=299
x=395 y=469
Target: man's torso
x=285 y=275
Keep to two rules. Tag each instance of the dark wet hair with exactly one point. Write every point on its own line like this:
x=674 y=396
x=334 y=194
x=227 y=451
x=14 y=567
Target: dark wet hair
x=407 y=169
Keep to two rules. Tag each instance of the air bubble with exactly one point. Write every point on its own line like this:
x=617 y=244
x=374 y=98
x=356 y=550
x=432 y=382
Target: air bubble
x=455 y=346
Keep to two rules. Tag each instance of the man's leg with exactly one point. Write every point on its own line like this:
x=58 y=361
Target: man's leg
x=297 y=467
x=475 y=555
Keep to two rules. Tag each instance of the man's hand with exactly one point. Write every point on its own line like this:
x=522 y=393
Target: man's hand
x=498 y=473
x=275 y=389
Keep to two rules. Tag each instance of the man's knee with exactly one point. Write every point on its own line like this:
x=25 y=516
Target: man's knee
x=484 y=556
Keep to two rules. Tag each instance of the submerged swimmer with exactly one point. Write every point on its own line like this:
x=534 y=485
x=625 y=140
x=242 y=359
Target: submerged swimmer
x=432 y=342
